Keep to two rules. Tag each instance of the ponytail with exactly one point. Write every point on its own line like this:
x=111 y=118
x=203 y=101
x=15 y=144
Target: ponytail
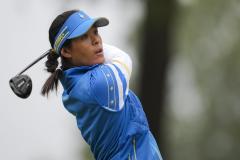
x=52 y=82
x=52 y=62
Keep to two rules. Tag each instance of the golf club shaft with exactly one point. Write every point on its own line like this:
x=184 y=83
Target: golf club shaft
x=38 y=59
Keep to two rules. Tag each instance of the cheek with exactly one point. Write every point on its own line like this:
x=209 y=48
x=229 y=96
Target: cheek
x=83 y=56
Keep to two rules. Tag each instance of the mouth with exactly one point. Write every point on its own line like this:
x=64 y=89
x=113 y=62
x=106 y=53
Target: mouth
x=99 y=51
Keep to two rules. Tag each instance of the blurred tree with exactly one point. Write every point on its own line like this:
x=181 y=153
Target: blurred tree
x=208 y=40
x=156 y=54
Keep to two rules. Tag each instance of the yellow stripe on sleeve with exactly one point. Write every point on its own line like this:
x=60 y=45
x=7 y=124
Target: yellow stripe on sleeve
x=124 y=65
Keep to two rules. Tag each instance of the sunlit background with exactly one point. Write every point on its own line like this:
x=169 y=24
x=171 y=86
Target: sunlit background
x=185 y=71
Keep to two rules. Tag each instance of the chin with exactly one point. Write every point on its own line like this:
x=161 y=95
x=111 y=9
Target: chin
x=100 y=60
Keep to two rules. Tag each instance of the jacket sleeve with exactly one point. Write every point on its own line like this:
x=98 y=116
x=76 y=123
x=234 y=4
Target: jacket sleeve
x=122 y=60
x=109 y=82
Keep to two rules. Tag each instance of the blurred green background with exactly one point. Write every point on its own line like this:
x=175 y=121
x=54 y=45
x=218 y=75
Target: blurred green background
x=200 y=111
x=186 y=72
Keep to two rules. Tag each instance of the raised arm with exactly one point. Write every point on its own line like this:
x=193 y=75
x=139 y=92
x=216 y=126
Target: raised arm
x=119 y=58
x=110 y=81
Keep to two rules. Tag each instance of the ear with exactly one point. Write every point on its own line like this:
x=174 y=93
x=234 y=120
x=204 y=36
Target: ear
x=65 y=52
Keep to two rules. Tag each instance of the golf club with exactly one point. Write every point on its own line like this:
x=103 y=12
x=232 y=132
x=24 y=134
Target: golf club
x=22 y=84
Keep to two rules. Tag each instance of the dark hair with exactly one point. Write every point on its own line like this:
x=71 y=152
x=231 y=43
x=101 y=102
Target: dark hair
x=52 y=58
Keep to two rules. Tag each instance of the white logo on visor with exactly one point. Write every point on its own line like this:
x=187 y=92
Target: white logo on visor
x=81 y=16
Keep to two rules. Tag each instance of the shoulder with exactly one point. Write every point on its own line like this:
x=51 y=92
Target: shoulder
x=76 y=83
x=108 y=87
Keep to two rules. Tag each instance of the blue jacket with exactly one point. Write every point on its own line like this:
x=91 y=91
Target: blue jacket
x=109 y=115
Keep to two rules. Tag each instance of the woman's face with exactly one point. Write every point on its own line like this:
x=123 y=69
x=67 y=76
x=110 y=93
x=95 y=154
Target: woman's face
x=85 y=50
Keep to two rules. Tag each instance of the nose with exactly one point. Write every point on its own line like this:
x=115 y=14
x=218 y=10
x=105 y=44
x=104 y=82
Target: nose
x=95 y=39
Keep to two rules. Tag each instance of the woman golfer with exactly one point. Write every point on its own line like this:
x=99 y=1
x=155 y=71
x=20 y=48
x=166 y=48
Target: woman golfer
x=95 y=77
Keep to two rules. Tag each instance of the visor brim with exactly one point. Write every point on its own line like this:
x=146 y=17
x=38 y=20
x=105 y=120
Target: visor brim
x=84 y=27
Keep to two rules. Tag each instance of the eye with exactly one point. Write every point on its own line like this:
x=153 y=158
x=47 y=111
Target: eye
x=96 y=32
x=84 y=36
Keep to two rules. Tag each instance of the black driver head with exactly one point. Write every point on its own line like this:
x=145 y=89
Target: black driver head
x=21 y=85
